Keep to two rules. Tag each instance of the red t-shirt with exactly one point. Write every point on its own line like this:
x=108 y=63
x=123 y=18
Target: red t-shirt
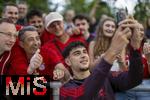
x=18 y=61
x=46 y=36
x=61 y=46
x=51 y=58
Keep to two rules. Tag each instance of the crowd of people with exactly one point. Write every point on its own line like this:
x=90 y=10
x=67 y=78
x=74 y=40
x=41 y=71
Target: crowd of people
x=91 y=65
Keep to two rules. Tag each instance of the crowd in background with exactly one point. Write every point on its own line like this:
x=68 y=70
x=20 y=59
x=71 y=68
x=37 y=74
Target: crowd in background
x=92 y=60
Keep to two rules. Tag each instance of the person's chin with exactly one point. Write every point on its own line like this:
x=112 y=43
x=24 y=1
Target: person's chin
x=7 y=49
x=59 y=35
x=109 y=35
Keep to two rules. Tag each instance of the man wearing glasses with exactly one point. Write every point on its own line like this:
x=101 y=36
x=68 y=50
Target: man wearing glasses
x=8 y=35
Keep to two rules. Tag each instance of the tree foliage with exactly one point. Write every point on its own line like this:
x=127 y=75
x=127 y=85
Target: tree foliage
x=82 y=6
x=142 y=11
x=43 y=5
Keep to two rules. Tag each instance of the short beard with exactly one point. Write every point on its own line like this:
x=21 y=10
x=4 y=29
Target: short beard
x=84 y=69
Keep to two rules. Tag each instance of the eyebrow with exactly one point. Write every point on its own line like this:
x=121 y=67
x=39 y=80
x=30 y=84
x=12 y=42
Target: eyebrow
x=76 y=52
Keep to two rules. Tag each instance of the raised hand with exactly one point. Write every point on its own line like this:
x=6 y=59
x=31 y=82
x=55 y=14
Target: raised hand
x=35 y=62
x=61 y=73
x=58 y=74
x=137 y=32
x=146 y=48
x=120 y=39
x=119 y=42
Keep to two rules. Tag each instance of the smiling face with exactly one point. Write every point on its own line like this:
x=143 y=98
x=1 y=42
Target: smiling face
x=37 y=22
x=109 y=28
x=8 y=36
x=141 y=29
x=57 y=28
x=11 y=12
x=31 y=42
x=78 y=59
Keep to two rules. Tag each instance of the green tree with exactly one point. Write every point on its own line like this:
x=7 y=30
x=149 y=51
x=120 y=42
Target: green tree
x=82 y=6
x=142 y=11
x=43 y=5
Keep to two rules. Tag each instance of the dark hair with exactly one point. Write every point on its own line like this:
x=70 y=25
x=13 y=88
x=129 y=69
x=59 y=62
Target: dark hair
x=6 y=20
x=8 y=4
x=81 y=17
x=32 y=13
x=71 y=46
x=23 y=30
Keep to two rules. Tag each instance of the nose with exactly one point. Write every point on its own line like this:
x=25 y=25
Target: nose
x=12 y=39
x=37 y=23
x=110 y=28
x=83 y=55
x=14 y=15
x=37 y=42
x=56 y=26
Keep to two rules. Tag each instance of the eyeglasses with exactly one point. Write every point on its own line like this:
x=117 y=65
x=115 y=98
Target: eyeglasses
x=9 y=35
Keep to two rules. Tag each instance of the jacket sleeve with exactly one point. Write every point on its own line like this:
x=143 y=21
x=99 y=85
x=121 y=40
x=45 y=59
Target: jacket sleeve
x=131 y=78
x=96 y=80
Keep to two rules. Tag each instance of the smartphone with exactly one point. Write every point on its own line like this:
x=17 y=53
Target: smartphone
x=121 y=15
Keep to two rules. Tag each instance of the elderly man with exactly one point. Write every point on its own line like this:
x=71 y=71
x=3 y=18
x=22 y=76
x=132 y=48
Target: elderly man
x=31 y=58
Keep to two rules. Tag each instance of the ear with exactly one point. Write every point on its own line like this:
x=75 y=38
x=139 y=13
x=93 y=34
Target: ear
x=67 y=61
x=21 y=44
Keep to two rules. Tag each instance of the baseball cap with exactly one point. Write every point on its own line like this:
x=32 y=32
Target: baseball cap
x=51 y=17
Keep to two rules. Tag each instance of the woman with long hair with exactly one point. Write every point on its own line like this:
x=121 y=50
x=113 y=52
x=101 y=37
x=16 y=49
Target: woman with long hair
x=104 y=34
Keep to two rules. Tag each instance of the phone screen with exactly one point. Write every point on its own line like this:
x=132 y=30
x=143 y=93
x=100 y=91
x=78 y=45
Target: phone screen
x=121 y=15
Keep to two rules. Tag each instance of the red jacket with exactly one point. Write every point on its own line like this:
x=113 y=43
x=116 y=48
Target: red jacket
x=4 y=59
x=61 y=46
x=46 y=36
x=19 y=62
x=51 y=57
